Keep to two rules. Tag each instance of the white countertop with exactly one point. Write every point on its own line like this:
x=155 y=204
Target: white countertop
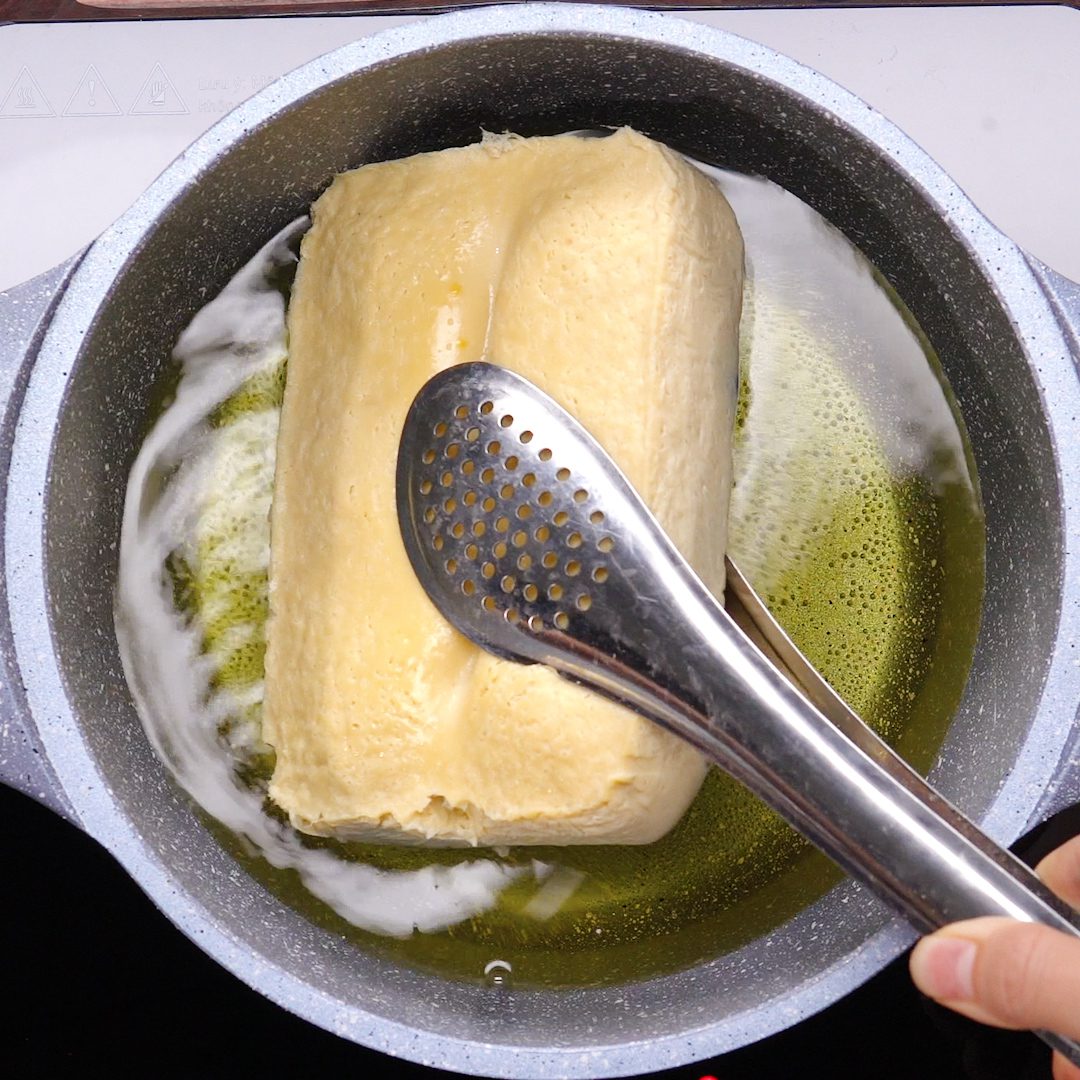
x=90 y=113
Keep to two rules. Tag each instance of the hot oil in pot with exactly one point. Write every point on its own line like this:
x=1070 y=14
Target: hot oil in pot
x=855 y=514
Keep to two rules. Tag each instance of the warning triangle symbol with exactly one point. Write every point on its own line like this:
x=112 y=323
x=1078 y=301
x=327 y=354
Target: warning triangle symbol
x=158 y=96
x=24 y=98
x=92 y=97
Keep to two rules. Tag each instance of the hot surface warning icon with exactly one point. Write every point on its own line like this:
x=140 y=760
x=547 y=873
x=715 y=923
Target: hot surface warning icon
x=24 y=98
x=92 y=97
x=158 y=96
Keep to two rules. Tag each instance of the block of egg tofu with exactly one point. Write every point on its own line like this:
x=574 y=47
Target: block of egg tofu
x=608 y=271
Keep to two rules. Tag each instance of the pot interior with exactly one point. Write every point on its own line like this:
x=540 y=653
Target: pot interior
x=716 y=111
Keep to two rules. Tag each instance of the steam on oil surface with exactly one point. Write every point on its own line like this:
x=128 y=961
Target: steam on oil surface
x=855 y=514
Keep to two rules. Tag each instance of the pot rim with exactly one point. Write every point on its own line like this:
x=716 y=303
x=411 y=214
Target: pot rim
x=84 y=784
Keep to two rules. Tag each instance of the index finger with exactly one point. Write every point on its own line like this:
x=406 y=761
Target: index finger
x=1061 y=871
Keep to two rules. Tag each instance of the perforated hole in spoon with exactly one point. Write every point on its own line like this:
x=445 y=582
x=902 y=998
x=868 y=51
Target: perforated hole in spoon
x=515 y=530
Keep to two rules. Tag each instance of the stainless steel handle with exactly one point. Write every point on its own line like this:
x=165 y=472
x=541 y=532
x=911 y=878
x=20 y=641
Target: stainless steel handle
x=844 y=789
x=885 y=825
x=24 y=315
x=752 y=617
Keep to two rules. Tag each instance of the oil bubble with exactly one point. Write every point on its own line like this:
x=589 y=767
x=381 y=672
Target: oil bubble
x=497 y=973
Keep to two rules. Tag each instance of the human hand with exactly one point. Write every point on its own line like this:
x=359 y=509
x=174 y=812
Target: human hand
x=1011 y=974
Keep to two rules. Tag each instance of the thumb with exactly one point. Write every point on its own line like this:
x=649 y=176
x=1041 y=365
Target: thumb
x=1001 y=972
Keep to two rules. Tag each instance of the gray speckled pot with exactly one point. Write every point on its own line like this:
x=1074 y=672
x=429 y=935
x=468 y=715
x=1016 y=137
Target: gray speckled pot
x=81 y=349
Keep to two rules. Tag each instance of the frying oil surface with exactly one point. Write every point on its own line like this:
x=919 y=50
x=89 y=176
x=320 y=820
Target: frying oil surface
x=855 y=515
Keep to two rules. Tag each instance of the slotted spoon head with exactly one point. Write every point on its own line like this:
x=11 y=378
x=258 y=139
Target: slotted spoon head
x=517 y=522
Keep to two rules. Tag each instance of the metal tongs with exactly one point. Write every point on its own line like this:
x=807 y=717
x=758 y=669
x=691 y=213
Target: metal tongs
x=531 y=542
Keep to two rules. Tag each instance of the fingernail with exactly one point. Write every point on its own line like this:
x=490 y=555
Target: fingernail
x=943 y=968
